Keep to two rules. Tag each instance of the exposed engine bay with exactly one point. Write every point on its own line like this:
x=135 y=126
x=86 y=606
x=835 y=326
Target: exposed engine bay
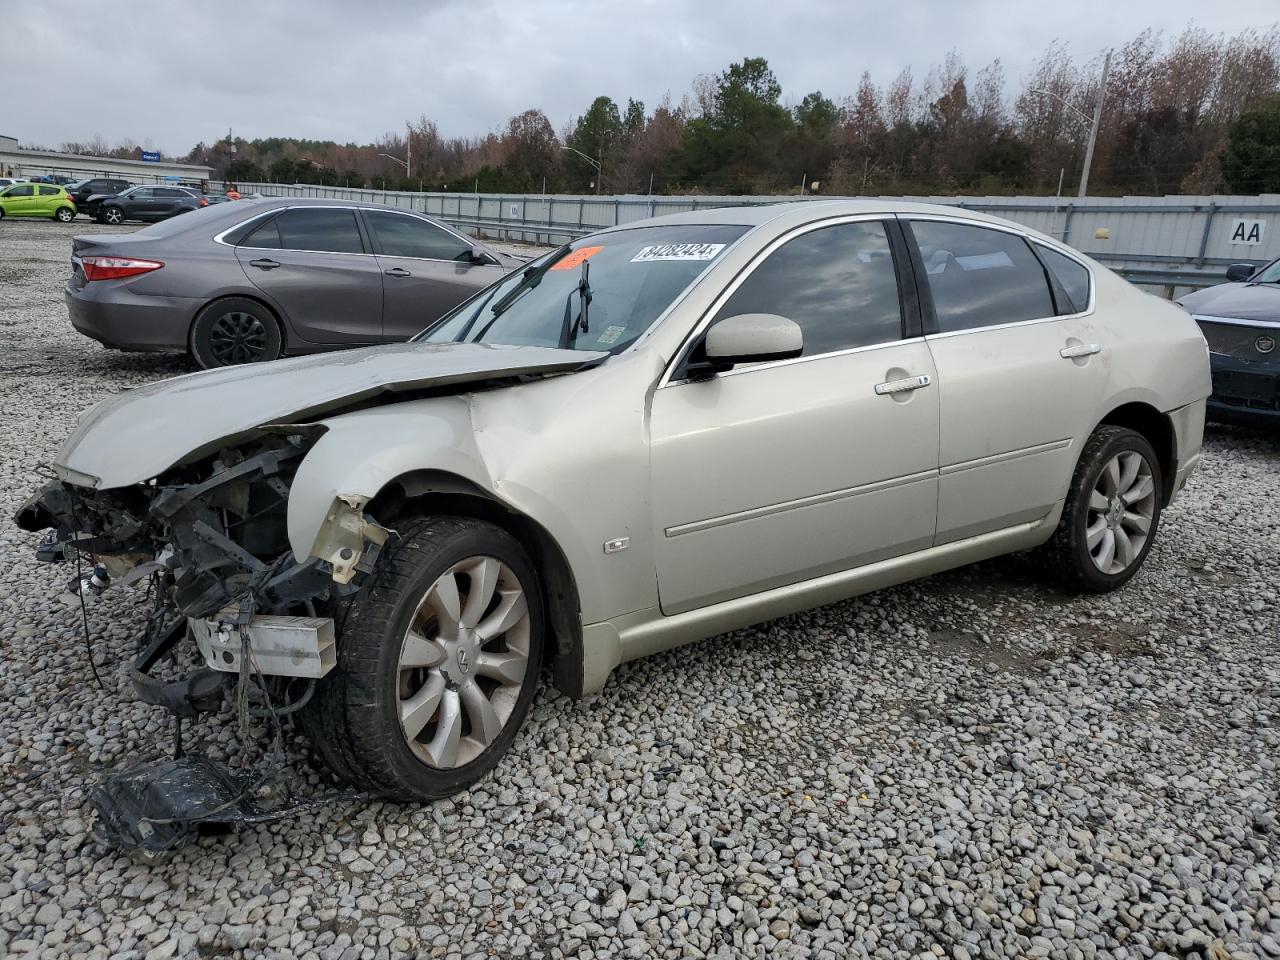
x=210 y=538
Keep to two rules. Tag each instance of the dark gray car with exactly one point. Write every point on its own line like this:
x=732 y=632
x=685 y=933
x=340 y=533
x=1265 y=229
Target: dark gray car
x=258 y=279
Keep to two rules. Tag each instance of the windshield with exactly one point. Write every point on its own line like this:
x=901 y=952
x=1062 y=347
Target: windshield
x=597 y=293
x=1268 y=274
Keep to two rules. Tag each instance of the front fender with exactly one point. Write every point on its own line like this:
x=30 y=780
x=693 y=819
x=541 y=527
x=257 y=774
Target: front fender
x=361 y=452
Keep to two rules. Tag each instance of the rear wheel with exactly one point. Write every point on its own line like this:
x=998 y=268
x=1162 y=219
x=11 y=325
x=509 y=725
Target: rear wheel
x=65 y=215
x=234 y=331
x=1111 y=513
x=437 y=663
x=111 y=215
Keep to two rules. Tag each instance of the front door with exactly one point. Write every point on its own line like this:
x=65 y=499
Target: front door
x=21 y=200
x=426 y=271
x=311 y=263
x=1020 y=375
x=777 y=472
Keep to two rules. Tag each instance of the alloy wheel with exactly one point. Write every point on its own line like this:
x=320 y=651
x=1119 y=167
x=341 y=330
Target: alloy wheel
x=463 y=662
x=114 y=215
x=1121 y=511
x=237 y=337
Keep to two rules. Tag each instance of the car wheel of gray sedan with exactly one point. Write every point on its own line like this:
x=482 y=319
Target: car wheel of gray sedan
x=234 y=331
x=438 y=661
x=112 y=215
x=1111 y=513
x=65 y=214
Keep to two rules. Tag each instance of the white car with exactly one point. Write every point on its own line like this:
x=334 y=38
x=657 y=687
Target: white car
x=657 y=433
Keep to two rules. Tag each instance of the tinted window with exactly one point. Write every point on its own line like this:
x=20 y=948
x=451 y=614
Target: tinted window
x=48 y=191
x=267 y=235
x=1072 y=276
x=325 y=229
x=172 y=192
x=403 y=236
x=21 y=190
x=142 y=193
x=838 y=283
x=980 y=277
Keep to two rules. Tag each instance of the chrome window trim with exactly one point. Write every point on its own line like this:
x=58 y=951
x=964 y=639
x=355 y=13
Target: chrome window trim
x=1236 y=321
x=1002 y=228
x=667 y=379
x=220 y=237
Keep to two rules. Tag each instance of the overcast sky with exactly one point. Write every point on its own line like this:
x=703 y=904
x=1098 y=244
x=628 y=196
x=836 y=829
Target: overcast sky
x=169 y=73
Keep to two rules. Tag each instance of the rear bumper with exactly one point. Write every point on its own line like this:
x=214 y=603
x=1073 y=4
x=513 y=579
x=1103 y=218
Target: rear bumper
x=1188 y=432
x=1244 y=391
x=109 y=312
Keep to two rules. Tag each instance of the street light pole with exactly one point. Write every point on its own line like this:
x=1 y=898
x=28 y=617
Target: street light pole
x=408 y=153
x=1093 y=130
x=596 y=164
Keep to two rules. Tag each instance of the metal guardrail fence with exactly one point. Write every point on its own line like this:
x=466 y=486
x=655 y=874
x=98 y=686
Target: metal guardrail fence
x=1170 y=242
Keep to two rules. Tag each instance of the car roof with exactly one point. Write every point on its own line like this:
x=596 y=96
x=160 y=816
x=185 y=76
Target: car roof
x=780 y=217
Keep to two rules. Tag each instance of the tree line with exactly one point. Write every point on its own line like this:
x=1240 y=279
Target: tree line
x=1195 y=113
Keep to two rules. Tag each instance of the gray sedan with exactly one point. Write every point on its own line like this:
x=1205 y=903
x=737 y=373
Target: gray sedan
x=258 y=279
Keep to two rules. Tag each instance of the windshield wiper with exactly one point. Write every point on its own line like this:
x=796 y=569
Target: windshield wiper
x=569 y=327
x=532 y=277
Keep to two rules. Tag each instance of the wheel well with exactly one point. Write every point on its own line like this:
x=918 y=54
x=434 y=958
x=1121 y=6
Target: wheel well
x=284 y=330
x=1158 y=429
x=437 y=493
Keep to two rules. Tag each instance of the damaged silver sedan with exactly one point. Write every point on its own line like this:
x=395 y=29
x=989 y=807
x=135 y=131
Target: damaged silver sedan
x=651 y=435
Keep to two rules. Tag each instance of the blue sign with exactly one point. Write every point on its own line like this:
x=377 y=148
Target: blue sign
x=151 y=155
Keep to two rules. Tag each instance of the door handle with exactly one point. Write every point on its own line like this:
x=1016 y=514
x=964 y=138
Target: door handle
x=397 y=272
x=264 y=264
x=904 y=385
x=1080 y=350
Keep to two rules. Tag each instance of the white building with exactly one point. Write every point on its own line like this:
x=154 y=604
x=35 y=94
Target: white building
x=18 y=162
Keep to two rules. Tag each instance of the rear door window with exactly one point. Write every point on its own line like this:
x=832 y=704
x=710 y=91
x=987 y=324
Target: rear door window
x=1072 y=277
x=49 y=191
x=980 y=277
x=323 y=229
x=400 y=235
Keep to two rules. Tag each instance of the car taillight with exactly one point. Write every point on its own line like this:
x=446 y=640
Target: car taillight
x=204 y=201
x=116 y=268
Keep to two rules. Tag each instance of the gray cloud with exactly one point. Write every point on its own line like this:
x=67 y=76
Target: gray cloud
x=172 y=73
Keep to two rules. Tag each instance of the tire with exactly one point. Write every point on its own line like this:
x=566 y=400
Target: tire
x=111 y=215
x=354 y=719
x=233 y=331
x=1 y=213
x=64 y=215
x=1077 y=556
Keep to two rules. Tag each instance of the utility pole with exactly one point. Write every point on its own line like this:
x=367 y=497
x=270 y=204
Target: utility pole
x=1093 y=131
x=408 y=153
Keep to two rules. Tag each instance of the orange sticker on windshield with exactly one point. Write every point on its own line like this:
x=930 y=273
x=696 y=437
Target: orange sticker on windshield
x=575 y=258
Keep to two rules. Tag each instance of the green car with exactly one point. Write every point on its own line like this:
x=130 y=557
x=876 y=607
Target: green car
x=37 y=200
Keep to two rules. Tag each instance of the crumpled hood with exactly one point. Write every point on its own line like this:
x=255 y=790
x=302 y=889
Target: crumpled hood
x=1243 y=301
x=138 y=434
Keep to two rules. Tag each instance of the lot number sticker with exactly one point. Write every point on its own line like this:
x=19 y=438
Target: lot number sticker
x=1248 y=232
x=678 y=251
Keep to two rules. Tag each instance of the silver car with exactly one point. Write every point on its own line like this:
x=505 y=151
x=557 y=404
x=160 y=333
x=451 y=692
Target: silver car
x=258 y=279
x=657 y=433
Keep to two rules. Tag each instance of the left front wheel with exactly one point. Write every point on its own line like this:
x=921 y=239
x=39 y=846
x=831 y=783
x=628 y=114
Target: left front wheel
x=438 y=662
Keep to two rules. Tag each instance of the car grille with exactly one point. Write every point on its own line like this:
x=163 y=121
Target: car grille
x=1240 y=341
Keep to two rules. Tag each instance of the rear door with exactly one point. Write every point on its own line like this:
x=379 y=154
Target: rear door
x=313 y=263
x=426 y=270
x=1021 y=375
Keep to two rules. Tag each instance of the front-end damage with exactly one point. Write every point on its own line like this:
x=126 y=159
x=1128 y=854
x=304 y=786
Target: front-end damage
x=210 y=538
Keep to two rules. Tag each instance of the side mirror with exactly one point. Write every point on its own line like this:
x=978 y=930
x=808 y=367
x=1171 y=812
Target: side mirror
x=750 y=338
x=1238 y=272
x=479 y=254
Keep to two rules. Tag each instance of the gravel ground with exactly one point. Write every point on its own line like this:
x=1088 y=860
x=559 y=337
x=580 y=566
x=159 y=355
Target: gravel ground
x=973 y=766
